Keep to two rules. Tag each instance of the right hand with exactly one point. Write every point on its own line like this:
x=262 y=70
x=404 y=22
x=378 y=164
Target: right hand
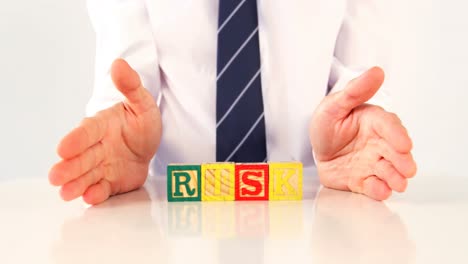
x=110 y=152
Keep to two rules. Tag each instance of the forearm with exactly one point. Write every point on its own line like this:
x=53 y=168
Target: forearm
x=123 y=30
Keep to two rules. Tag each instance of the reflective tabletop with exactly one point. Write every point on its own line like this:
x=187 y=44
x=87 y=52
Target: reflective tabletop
x=427 y=224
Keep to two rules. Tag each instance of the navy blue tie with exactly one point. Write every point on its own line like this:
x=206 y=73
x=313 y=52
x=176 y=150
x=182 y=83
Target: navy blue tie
x=240 y=122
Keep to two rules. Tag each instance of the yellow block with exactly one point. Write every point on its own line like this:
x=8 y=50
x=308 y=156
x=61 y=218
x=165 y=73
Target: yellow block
x=285 y=181
x=218 y=181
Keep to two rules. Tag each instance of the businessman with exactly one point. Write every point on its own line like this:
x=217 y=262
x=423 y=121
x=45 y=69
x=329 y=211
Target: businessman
x=234 y=80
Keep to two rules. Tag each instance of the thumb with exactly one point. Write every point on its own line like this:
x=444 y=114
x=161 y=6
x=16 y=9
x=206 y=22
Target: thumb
x=357 y=92
x=128 y=82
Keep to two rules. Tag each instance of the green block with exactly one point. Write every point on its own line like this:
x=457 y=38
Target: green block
x=183 y=183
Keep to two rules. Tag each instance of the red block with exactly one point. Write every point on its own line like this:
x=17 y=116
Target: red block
x=251 y=181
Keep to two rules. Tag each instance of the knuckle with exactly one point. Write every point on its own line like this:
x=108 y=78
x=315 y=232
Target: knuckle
x=85 y=126
x=383 y=167
x=85 y=121
x=382 y=192
x=91 y=124
x=403 y=185
x=378 y=108
x=394 y=117
x=95 y=154
x=413 y=169
x=94 y=176
x=100 y=152
x=106 y=171
x=55 y=175
x=385 y=194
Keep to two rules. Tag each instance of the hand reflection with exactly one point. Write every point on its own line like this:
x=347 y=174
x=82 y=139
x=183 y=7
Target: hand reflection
x=121 y=230
x=353 y=228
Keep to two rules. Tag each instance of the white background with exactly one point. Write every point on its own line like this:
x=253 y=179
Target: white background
x=46 y=75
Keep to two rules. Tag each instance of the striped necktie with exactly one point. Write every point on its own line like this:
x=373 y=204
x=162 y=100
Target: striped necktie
x=240 y=122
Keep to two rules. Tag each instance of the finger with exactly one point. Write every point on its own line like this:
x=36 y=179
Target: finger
x=376 y=189
x=129 y=84
x=77 y=187
x=90 y=132
x=385 y=171
x=98 y=192
x=389 y=127
x=403 y=162
x=68 y=170
x=357 y=92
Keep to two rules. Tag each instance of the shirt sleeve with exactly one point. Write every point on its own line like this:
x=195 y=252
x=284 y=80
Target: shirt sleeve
x=123 y=30
x=361 y=44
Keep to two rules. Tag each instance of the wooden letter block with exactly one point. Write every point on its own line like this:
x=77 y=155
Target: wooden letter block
x=251 y=181
x=184 y=183
x=217 y=182
x=286 y=181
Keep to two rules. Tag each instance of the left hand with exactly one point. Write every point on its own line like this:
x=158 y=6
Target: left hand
x=361 y=147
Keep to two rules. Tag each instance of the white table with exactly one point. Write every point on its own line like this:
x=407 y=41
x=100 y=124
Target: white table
x=428 y=224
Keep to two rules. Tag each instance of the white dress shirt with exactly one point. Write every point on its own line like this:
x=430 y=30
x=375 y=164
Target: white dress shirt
x=306 y=46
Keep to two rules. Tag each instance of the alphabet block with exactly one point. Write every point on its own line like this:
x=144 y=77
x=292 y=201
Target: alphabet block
x=184 y=183
x=251 y=181
x=218 y=181
x=285 y=181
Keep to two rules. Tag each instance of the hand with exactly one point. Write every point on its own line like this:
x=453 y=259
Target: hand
x=110 y=153
x=360 y=147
